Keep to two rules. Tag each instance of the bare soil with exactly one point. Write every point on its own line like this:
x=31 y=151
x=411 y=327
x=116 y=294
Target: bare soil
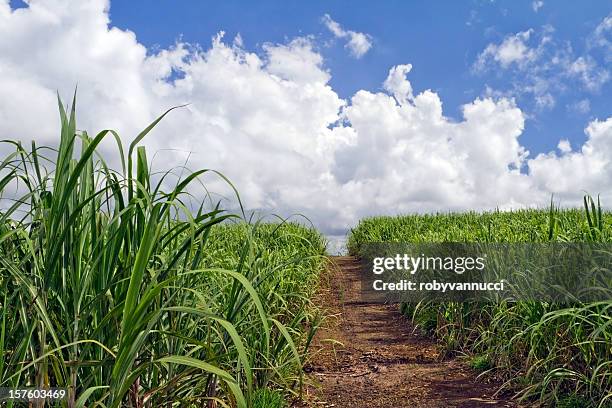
x=368 y=355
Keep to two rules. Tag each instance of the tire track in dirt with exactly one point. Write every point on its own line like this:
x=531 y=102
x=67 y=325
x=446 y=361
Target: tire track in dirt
x=380 y=361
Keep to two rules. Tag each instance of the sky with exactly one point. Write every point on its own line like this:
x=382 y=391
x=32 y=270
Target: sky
x=331 y=111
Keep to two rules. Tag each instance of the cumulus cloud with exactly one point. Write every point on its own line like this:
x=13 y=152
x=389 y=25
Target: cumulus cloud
x=272 y=123
x=357 y=43
x=397 y=84
x=564 y=146
x=289 y=62
x=590 y=167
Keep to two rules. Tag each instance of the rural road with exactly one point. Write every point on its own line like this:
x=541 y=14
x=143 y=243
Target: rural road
x=368 y=356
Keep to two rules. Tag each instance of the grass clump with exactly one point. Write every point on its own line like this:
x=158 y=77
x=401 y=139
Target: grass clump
x=480 y=363
x=116 y=287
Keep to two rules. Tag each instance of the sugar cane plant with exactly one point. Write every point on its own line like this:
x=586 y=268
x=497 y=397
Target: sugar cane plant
x=547 y=353
x=113 y=286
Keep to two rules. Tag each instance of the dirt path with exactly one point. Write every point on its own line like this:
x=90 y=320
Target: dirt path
x=380 y=362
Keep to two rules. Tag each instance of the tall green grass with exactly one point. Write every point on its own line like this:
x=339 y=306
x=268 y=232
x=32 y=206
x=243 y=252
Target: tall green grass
x=113 y=286
x=544 y=352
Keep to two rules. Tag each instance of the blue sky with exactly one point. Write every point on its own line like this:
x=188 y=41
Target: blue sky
x=440 y=39
x=334 y=110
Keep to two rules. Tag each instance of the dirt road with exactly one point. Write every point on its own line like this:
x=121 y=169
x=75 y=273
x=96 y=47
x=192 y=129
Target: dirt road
x=380 y=361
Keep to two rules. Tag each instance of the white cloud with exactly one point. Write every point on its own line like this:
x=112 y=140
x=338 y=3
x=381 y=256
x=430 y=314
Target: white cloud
x=358 y=43
x=272 y=123
x=587 y=70
x=397 y=84
x=537 y=5
x=564 y=146
x=602 y=37
x=533 y=63
x=588 y=169
x=289 y=62
x=262 y=120
x=512 y=50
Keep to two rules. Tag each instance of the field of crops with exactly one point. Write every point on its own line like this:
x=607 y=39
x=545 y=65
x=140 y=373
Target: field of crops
x=558 y=354
x=113 y=287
